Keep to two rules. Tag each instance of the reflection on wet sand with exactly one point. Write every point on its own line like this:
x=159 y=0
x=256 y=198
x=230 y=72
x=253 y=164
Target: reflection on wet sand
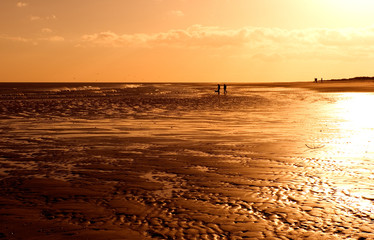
x=176 y=166
x=348 y=155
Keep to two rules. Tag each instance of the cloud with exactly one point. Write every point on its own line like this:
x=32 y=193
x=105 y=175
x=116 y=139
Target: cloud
x=36 y=41
x=54 y=39
x=256 y=43
x=46 y=30
x=37 y=18
x=195 y=36
x=14 y=39
x=176 y=13
x=51 y=17
x=22 y=4
x=18 y=40
x=198 y=36
x=111 y=39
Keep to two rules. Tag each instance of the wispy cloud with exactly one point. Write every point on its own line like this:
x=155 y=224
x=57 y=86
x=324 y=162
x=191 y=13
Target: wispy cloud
x=177 y=13
x=33 y=41
x=55 y=38
x=260 y=43
x=46 y=30
x=22 y=4
x=195 y=36
x=111 y=39
x=37 y=18
x=15 y=39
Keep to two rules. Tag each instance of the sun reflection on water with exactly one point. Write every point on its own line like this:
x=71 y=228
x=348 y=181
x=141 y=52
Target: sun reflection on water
x=354 y=201
x=356 y=110
x=354 y=120
x=349 y=154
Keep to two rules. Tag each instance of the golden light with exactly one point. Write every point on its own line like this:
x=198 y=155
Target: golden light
x=351 y=6
x=356 y=110
x=349 y=153
x=354 y=125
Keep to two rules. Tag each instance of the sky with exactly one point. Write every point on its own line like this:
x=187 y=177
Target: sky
x=185 y=40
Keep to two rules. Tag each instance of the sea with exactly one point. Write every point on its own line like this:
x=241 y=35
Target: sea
x=179 y=161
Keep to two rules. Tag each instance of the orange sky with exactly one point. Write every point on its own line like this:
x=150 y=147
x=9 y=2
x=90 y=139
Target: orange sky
x=185 y=40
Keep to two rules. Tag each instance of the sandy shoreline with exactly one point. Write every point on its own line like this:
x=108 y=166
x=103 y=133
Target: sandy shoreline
x=327 y=85
x=174 y=166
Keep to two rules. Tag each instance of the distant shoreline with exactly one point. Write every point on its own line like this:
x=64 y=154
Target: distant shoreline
x=353 y=79
x=357 y=84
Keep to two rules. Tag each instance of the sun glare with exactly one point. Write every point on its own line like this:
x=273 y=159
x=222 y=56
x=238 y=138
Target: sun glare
x=350 y=150
x=351 y=130
x=351 y=6
x=356 y=112
x=354 y=127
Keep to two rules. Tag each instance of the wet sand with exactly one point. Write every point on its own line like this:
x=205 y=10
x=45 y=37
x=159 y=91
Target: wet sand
x=154 y=178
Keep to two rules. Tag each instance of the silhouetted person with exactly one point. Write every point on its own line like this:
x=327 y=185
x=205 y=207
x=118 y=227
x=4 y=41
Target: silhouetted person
x=321 y=80
x=315 y=80
x=218 y=89
x=224 y=88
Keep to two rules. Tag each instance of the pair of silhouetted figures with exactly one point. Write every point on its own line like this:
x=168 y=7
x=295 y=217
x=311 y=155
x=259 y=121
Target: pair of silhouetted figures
x=219 y=89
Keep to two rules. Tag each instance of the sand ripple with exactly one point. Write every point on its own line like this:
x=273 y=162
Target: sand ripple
x=98 y=167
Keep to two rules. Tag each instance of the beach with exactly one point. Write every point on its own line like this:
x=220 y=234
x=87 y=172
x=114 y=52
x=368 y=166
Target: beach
x=179 y=161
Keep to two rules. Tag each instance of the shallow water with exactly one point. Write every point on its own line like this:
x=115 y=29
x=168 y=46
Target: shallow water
x=177 y=161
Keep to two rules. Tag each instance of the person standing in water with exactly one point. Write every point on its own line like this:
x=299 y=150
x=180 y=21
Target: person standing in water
x=218 y=89
x=224 y=89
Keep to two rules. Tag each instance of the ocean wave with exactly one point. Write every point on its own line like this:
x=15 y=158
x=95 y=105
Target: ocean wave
x=73 y=89
x=132 y=85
